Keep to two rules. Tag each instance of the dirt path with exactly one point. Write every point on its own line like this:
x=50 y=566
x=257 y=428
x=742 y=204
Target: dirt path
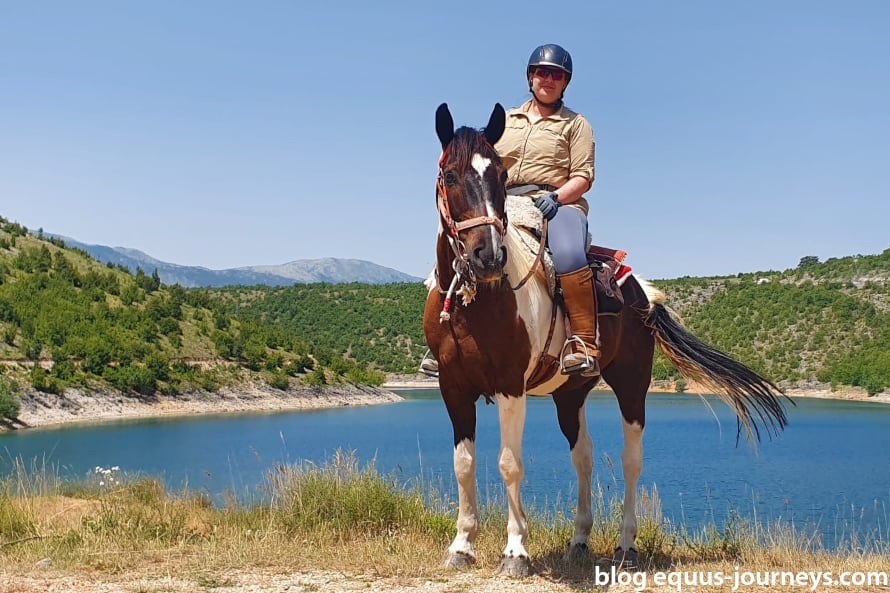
x=333 y=582
x=258 y=582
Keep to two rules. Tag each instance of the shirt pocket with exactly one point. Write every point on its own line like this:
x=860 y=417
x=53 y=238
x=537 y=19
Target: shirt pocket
x=551 y=148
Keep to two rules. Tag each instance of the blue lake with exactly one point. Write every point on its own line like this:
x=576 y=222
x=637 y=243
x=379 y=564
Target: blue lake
x=829 y=470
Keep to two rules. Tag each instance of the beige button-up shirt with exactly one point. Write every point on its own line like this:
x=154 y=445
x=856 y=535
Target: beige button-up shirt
x=548 y=151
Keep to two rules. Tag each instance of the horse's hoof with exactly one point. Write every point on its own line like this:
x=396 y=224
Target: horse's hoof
x=459 y=560
x=576 y=552
x=515 y=566
x=625 y=559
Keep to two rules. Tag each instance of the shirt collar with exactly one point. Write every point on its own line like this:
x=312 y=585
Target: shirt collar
x=560 y=114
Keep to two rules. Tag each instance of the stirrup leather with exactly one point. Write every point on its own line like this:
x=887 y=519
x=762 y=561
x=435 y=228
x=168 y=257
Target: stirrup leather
x=429 y=366
x=589 y=367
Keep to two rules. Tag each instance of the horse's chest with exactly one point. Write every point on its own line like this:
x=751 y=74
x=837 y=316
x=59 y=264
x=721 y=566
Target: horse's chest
x=492 y=349
x=484 y=343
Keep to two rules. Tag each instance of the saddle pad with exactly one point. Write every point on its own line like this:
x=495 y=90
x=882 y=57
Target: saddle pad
x=522 y=212
x=523 y=237
x=525 y=216
x=523 y=246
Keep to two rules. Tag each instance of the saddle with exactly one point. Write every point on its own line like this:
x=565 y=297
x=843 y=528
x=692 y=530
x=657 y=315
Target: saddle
x=523 y=239
x=609 y=270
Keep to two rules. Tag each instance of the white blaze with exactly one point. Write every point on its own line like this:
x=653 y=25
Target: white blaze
x=481 y=164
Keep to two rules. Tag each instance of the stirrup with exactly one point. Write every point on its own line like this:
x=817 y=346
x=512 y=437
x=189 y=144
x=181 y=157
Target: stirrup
x=590 y=367
x=429 y=366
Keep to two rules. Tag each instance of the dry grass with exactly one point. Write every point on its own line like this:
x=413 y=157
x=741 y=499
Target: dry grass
x=349 y=520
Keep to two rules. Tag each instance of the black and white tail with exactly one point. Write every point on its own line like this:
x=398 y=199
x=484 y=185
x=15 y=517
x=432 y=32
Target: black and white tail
x=756 y=401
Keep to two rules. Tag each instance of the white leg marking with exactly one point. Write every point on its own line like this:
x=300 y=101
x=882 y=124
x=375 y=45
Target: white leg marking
x=511 y=412
x=582 y=460
x=467 y=513
x=632 y=465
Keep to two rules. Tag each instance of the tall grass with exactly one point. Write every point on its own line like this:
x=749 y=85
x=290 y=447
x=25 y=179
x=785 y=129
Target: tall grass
x=342 y=516
x=341 y=501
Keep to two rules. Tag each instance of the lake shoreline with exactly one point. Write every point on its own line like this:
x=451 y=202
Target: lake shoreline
x=812 y=390
x=77 y=406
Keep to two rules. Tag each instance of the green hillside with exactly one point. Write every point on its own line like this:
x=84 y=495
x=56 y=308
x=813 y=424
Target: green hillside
x=68 y=321
x=827 y=322
x=377 y=325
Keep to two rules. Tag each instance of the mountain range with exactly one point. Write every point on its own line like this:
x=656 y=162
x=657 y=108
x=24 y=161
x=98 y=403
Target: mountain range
x=302 y=271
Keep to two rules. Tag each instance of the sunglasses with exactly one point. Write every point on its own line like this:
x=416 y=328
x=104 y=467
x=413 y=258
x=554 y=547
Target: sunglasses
x=555 y=75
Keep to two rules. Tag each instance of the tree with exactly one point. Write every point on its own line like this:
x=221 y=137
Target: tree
x=144 y=282
x=808 y=261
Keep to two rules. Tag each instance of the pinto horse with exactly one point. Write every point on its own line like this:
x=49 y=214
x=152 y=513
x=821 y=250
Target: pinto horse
x=492 y=342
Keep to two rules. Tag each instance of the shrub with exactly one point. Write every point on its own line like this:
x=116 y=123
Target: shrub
x=278 y=380
x=9 y=400
x=43 y=381
x=132 y=379
x=316 y=378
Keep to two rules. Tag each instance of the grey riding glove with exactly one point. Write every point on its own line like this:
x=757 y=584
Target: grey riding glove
x=548 y=204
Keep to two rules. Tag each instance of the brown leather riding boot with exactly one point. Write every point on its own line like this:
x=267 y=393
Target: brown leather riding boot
x=579 y=295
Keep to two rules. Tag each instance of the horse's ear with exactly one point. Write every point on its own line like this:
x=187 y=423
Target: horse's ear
x=444 y=125
x=496 y=124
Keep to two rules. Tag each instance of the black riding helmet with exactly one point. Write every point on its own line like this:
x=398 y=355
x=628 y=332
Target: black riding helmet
x=553 y=56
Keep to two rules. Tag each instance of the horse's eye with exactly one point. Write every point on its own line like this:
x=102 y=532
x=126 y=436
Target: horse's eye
x=450 y=178
x=503 y=177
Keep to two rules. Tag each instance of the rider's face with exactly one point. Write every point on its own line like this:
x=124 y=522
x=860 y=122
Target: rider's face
x=545 y=86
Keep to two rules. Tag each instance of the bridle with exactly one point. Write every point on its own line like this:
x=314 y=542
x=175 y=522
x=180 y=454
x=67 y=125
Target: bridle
x=455 y=227
x=461 y=263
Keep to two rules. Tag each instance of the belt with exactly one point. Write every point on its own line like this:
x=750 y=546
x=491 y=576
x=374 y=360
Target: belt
x=518 y=190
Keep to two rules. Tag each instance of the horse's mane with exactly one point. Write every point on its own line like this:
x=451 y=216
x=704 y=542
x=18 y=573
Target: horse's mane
x=466 y=143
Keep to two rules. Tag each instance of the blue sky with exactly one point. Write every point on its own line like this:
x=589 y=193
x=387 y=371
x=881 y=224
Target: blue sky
x=731 y=136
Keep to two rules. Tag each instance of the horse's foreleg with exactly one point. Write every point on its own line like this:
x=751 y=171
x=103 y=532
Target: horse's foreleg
x=572 y=416
x=463 y=418
x=632 y=465
x=511 y=412
x=461 y=552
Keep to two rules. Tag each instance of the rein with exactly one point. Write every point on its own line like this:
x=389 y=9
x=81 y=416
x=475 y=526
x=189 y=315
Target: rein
x=538 y=257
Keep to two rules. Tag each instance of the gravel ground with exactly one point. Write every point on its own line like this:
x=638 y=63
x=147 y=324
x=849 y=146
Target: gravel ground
x=332 y=582
x=335 y=582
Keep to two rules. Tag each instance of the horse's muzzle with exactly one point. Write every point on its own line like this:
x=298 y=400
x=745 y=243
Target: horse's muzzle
x=488 y=261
